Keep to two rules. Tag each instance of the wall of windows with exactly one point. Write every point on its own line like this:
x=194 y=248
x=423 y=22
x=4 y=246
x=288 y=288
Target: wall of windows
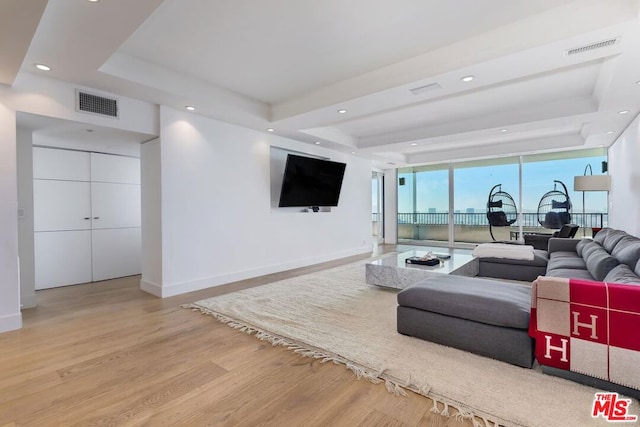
x=427 y=214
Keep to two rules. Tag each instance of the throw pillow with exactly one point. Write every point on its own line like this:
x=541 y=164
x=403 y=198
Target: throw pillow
x=589 y=248
x=627 y=251
x=581 y=244
x=600 y=263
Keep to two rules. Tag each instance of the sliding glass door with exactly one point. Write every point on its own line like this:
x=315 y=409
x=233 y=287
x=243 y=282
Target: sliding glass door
x=482 y=187
x=481 y=201
x=423 y=204
x=377 y=206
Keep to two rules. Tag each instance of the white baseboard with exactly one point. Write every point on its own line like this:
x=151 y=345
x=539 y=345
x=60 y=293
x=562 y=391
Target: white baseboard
x=28 y=301
x=10 y=322
x=151 y=288
x=209 y=282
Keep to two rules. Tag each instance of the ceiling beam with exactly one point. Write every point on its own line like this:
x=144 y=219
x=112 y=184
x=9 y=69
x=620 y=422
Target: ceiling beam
x=18 y=22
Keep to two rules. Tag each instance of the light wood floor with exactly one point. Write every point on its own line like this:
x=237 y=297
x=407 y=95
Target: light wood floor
x=109 y=354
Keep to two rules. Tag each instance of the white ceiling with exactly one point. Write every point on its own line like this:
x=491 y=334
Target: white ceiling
x=292 y=64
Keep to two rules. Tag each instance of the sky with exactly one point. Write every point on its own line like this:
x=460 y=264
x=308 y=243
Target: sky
x=472 y=186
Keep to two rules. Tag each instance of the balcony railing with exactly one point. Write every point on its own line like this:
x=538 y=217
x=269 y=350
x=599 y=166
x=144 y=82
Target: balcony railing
x=529 y=219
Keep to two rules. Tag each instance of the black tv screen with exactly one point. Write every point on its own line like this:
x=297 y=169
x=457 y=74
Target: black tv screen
x=311 y=182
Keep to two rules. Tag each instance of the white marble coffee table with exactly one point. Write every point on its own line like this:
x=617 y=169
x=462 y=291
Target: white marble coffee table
x=393 y=272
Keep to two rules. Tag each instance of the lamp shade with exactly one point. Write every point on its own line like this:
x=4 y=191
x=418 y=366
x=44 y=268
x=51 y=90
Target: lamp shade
x=592 y=183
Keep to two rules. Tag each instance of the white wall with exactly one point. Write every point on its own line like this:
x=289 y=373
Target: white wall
x=48 y=97
x=217 y=221
x=25 y=222
x=150 y=176
x=10 y=316
x=624 y=198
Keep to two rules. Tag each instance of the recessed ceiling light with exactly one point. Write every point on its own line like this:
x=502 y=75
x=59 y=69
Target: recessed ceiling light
x=638 y=82
x=467 y=78
x=342 y=111
x=317 y=142
x=623 y=112
x=609 y=132
x=93 y=1
x=43 y=67
x=353 y=152
x=504 y=130
x=414 y=143
x=190 y=108
x=270 y=130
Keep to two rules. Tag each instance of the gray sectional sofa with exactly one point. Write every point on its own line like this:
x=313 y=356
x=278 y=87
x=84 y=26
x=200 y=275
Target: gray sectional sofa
x=612 y=256
x=461 y=311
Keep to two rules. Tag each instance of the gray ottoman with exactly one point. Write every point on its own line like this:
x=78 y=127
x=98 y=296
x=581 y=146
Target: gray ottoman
x=486 y=317
x=515 y=269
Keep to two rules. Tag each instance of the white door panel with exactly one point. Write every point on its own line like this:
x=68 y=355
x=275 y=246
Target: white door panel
x=61 y=205
x=62 y=258
x=116 y=253
x=109 y=168
x=115 y=205
x=51 y=163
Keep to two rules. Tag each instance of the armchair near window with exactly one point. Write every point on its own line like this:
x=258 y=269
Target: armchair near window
x=541 y=240
x=568 y=231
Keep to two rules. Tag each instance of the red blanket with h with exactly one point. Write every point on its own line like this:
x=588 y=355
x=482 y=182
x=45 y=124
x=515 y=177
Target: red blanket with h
x=592 y=328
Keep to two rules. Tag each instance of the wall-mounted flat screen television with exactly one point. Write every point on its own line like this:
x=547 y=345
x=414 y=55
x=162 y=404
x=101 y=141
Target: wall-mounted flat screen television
x=310 y=182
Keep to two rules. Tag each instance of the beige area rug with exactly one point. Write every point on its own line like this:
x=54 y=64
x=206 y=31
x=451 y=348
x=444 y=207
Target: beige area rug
x=333 y=315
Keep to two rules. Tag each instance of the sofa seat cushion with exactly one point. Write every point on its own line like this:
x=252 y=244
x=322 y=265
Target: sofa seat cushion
x=622 y=274
x=567 y=262
x=570 y=273
x=540 y=259
x=485 y=301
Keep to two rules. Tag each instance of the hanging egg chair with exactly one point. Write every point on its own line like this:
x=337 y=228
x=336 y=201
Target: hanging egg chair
x=554 y=209
x=501 y=209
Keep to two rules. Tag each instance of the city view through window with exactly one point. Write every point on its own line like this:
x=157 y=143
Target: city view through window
x=423 y=196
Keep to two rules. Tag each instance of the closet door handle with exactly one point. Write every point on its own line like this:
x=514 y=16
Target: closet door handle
x=86 y=217
x=96 y=217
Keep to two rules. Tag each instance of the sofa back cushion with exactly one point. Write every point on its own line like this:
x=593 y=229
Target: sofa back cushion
x=600 y=263
x=609 y=237
x=627 y=251
x=622 y=274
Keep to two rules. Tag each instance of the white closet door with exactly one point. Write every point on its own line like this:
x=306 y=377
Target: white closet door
x=109 y=168
x=115 y=205
x=61 y=205
x=50 y=163
x=116 y=253
x=62 y=258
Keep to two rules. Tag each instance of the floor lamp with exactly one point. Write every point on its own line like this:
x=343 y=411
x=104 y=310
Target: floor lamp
x=590 y=182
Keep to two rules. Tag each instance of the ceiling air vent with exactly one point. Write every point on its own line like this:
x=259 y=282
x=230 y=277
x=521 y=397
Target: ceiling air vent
x=426 y=88
x=591 y=46
x=94 y=104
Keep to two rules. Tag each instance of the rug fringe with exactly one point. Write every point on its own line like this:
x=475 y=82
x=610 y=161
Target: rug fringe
x=392 y=385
